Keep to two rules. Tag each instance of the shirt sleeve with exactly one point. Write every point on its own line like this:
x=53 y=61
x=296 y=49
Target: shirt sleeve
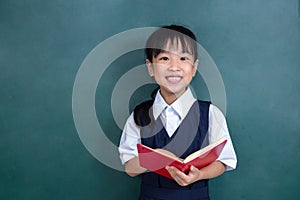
x=218 y=129
x=129 y=139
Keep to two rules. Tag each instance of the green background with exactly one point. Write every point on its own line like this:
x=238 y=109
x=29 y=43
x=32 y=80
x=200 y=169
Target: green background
x=255 y=45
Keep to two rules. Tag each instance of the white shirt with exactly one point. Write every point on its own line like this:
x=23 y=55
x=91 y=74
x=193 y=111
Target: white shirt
x=171 y=117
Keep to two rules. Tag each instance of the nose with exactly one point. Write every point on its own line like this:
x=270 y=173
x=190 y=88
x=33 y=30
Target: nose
x=174 y=64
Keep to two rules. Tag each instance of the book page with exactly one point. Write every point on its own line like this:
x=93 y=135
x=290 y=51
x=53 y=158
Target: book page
x=168 y=154
x=203 y=151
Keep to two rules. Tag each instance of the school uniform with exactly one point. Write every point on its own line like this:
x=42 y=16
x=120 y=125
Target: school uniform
x=181 y=128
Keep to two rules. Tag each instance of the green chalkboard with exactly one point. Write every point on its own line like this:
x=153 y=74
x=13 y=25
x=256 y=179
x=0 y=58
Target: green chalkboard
x=254 y=44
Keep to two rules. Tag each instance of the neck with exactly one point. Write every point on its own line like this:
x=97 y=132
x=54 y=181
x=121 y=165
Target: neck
x=170 y=97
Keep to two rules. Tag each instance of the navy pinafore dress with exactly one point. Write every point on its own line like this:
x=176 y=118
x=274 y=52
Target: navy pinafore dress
x=189 y=137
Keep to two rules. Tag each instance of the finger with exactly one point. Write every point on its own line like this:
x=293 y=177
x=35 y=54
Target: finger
x=176 y=178
x=194 y=169
x=174 y=173
x=171 y=170
x=194 y=173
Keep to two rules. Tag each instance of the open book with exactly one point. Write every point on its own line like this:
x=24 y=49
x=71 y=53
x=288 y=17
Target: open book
x=156 y=161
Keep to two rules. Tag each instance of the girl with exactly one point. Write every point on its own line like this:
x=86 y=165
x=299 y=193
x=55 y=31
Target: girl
x=175 y=121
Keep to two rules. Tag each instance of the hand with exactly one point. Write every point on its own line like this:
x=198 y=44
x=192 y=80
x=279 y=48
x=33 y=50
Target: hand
x=166 y=152
x=181 y=178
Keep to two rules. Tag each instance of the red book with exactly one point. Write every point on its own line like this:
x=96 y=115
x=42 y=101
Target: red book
x=156 y=161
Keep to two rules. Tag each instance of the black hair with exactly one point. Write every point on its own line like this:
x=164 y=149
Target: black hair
x=159 y=39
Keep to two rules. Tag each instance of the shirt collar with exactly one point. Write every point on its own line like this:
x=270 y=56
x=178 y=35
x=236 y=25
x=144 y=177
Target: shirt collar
x=182 y=105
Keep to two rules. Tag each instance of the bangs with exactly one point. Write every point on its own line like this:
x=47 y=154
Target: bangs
x=176 y=43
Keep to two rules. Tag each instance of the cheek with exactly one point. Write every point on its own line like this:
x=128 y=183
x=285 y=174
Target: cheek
x=159 y=70
x=191 y=72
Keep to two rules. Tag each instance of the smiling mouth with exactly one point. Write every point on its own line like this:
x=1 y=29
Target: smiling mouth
x=174 y=79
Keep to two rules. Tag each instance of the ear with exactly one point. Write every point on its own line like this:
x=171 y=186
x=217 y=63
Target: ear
x=150 y=67
x=195 y=67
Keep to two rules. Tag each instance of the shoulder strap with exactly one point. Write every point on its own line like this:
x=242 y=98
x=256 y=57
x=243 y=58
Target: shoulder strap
x=204 y=119
x=204 y=104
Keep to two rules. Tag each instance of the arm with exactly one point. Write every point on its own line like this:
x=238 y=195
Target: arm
x=218 y=129
x=211 y=171
x=128 y=150
x=133 y=168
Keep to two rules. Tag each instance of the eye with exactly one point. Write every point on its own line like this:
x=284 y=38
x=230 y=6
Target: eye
x=164 y=58
x=184 y=58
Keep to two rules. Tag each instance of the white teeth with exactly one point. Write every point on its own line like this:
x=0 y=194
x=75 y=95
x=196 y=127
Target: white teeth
x=174 y=78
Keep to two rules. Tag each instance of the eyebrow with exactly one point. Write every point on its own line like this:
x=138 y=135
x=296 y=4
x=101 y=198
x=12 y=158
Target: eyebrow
x=182 y=52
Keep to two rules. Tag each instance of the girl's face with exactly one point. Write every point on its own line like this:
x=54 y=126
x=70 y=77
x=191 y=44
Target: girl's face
x=173 y=70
